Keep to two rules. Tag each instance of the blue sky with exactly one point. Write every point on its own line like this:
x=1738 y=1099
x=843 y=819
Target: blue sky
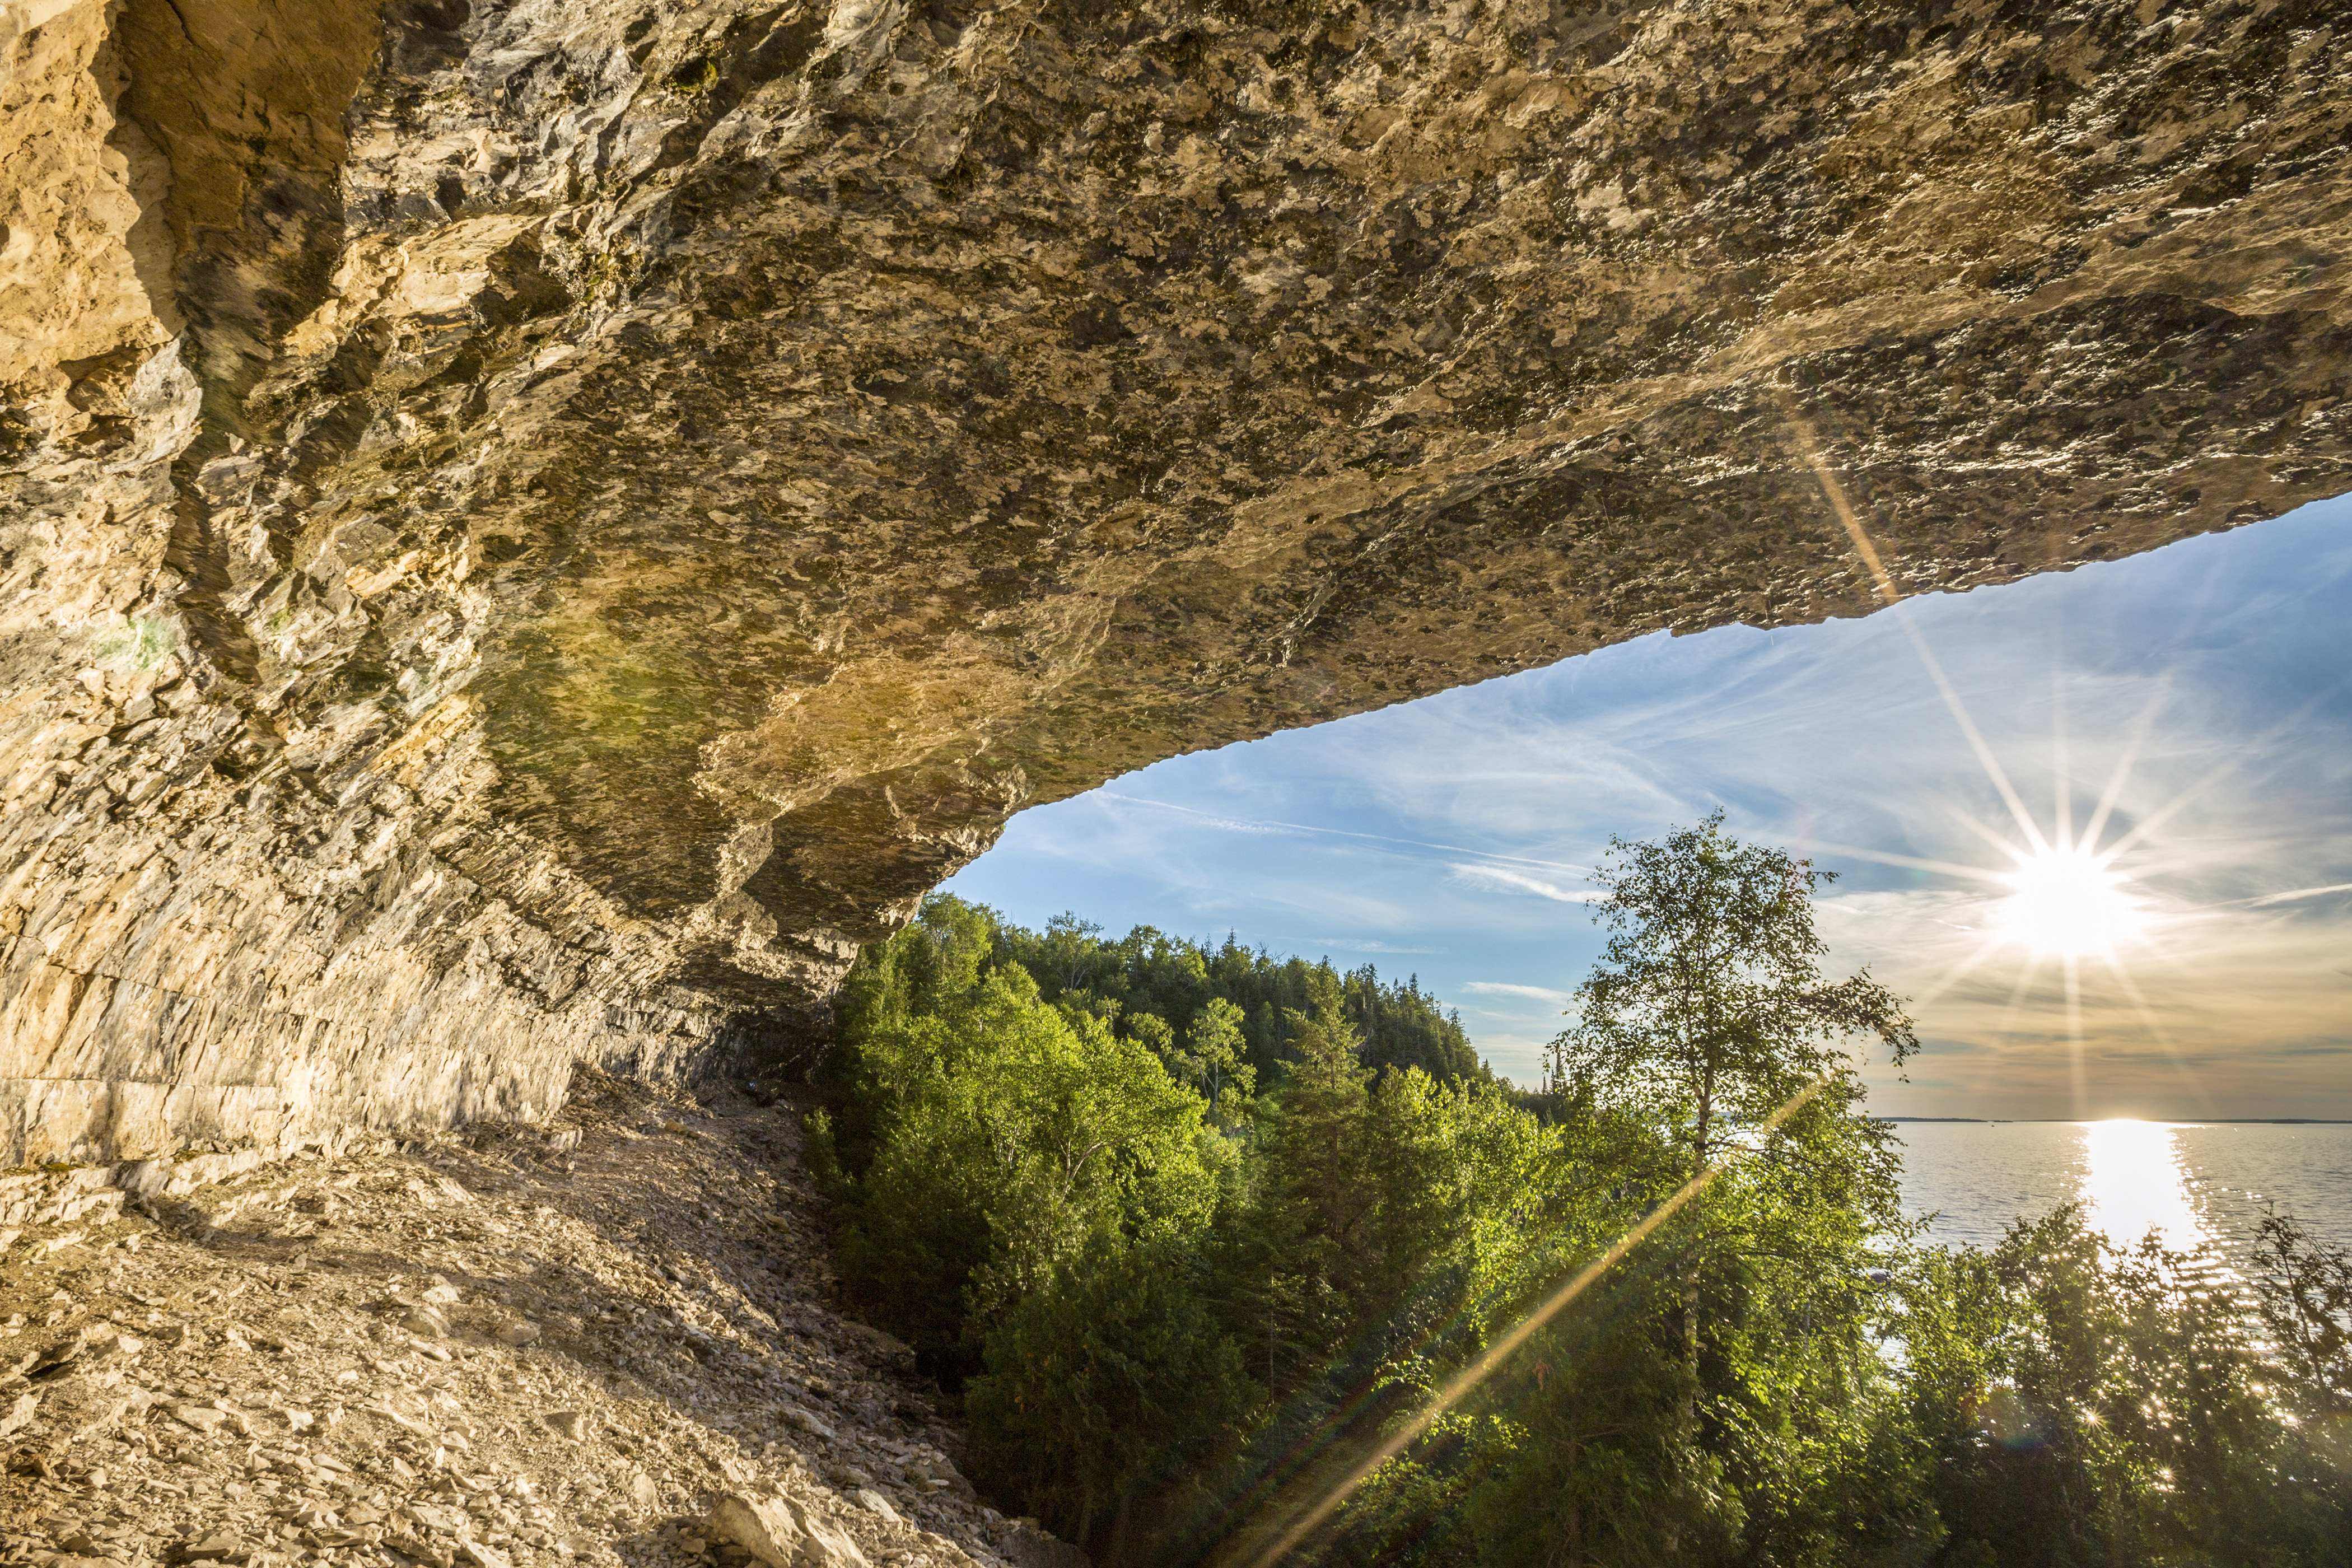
x=2206 y=687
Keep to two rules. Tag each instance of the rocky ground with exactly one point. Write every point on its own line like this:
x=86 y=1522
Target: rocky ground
x=511 y=1347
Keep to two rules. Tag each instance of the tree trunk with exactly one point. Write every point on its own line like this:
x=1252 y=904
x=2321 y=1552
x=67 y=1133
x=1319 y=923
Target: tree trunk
x=1701 y=1150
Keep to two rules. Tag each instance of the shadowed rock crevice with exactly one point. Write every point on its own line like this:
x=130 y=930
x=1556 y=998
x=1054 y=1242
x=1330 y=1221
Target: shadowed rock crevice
x=619 y=501
x=244 y=105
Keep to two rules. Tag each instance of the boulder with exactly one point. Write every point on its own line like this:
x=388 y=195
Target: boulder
x=784 y=1532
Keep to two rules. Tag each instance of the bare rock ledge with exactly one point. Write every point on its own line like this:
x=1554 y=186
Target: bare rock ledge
x=530 y=530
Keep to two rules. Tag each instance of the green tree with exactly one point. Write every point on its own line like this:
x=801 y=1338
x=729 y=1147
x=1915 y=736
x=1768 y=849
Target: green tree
x=1316 y=1196
x=2086 y=1405
x=1215 y=1043
x=1151 y=1031
x=1011 y=1132
x=1709 y=1020
x=1106 y=1385
x=1149 y=974
x=1595 y=1466
x=1709 y=1012
x=2303 y=1288
x=1392 y=1220
x=1098 y=1229
x=926 y=972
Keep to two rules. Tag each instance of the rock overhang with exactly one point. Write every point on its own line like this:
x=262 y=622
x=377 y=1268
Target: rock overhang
x=534 y=532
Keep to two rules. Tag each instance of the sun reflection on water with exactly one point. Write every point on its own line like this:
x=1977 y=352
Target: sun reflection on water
x=2134 y=1181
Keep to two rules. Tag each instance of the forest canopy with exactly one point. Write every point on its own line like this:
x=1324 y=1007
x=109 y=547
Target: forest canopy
x=1190 y=1232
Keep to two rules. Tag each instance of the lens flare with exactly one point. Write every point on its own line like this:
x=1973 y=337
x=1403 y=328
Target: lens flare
x=2066 y=902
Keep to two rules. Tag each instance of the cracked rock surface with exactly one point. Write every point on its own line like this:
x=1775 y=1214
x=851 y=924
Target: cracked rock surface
x=528 y=530
x=600 y=1342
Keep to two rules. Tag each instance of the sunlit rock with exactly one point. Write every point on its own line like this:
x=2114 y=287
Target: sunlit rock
x=530 y=532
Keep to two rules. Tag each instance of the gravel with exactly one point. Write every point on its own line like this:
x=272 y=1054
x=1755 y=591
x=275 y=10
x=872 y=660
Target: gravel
x=514 y=1348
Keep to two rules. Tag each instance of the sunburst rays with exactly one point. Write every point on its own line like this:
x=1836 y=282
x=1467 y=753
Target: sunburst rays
x=2056 y=897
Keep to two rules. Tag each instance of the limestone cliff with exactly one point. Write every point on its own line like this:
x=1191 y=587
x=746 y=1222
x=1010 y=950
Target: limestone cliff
x=528 y=529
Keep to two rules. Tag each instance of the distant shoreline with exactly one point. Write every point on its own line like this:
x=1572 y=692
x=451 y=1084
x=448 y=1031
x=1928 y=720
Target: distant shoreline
x=2208 y=1122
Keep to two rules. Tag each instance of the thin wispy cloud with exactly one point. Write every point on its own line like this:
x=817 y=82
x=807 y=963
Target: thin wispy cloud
x=1238 y=824
x=1532 y=992
x=1362 y=944
x=1209 y=819
x=1516 y=882
x=2299 y=893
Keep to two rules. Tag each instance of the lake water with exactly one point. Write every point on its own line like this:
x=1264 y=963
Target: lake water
x=2200 y=1186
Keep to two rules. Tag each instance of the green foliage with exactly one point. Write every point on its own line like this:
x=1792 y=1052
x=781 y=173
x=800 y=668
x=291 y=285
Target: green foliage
x=1213 y=1061
x=1150 y=974
x=823 y=1156
x=1192 y=1229
x=1106 y=1383
x=1708 y=1006
x=1320 y=1195
x=2305 y=1291
x=1739 y=1367
x=1122 y=1249
x=2083 y=1403
x=1412 y=1510
x=1603 y=1465
x=1013 y=1133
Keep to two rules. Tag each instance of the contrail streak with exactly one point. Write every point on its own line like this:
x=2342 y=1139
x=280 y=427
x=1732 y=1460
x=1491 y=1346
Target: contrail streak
x=2299 y=893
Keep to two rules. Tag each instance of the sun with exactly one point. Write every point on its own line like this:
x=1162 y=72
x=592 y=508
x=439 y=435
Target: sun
x=2065 y=901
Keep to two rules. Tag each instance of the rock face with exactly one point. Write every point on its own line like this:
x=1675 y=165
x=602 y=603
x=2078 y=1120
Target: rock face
x=528 y=530
x=522 y=1350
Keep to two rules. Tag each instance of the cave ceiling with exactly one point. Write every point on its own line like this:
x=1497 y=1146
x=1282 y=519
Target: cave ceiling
x=530 y=530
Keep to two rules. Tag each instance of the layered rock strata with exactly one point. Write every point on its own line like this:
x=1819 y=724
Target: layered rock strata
x=530 y=530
